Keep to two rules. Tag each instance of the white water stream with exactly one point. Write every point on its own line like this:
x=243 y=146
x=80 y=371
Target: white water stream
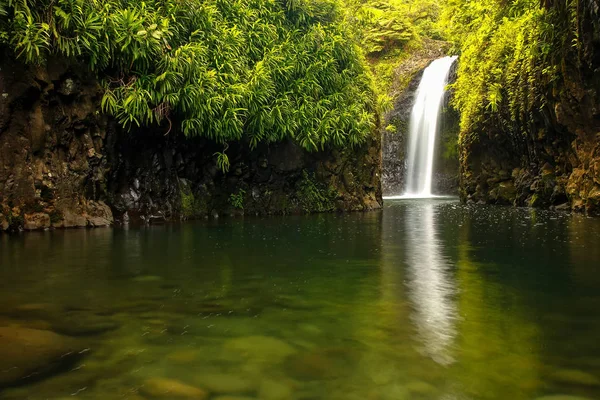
x=423 y=128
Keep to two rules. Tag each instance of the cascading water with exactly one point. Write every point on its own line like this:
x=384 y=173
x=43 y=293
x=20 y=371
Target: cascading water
x=423 y=128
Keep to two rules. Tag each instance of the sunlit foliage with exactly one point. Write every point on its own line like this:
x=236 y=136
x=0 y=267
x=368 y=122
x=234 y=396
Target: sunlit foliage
x=390 y=31
x=228 y=70
x=510 y=56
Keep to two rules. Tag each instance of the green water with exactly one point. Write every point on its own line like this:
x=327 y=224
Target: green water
x=424 y=300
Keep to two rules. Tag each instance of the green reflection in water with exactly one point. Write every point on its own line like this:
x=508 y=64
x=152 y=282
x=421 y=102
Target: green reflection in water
x=425 y=300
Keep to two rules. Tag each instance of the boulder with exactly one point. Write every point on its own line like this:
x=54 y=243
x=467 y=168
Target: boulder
x=36 y=221
x=31 y=354
x=99 y=214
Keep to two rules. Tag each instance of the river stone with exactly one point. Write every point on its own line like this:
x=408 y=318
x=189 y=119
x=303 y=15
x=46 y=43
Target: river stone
x=147 y=278
x=187 y=356
x=318 y=364
x=260 y=348
x=36 y=310
x=226 y=383
x=575 y=377
x=228 y=397
x=561 y=397
x=421 y=388
x=164 y=388
x=83 y=324
x=274 y=390
x=27 y=354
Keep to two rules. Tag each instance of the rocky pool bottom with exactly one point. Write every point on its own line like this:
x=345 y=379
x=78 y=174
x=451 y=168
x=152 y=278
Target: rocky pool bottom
x=424 y=300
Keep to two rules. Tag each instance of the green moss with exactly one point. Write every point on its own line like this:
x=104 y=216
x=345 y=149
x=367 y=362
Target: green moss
x=191 y=206
x=534 y=201
x=315 y=196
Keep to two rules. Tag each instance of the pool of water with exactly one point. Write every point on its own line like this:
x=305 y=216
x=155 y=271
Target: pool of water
x=427 y=299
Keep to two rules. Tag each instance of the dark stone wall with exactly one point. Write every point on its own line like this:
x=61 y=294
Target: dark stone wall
x=63 y=163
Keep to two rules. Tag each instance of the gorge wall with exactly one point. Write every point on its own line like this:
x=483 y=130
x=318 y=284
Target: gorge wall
x=553 y=161
x=63 y=163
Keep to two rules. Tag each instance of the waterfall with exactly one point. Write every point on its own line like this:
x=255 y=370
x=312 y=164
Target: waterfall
x=423 y=128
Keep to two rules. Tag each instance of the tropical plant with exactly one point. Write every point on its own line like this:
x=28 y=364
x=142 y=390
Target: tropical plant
x=237 y=199
x=510 y=58
x=228 y=70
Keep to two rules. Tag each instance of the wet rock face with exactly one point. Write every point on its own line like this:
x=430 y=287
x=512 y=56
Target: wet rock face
x=51 y=143
x=30 y=354
x=64 y=164
x=155 y=178
x=556 y=163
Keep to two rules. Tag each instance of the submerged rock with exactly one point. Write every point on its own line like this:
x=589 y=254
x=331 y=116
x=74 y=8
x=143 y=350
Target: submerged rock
x=261 y=348
x=575 y=377
x=227 y=383
x=318 y=364
x=30 y=354
x=420 y=388
x=164 y=388
x=562 y=397
x=147 y=278
x=228 y=397
x=187 y=356
x=274 y=390
x=83 y=324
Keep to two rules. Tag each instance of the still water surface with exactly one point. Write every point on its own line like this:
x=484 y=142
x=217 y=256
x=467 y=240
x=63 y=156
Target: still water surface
x=428 y=299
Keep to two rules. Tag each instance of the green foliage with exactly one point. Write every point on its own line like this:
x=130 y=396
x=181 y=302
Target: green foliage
x=315 y=196
x=222 y=161
x=511 y=53
x=391 y=24
x=191 y=206
x=237 y=199
x=187 y=203
x=391 y=129
x=229 y=70
x=390 y=32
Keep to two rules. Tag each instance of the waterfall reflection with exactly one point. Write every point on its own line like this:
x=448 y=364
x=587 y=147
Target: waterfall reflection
x=430 y=287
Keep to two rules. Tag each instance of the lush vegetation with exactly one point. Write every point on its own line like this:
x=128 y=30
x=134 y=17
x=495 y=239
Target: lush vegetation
x=510 y=58
x=390 y=32
x=265 y=70
x=228 y=70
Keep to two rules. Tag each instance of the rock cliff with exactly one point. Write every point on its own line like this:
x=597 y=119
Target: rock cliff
x=63 y=163
x=554 y=161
